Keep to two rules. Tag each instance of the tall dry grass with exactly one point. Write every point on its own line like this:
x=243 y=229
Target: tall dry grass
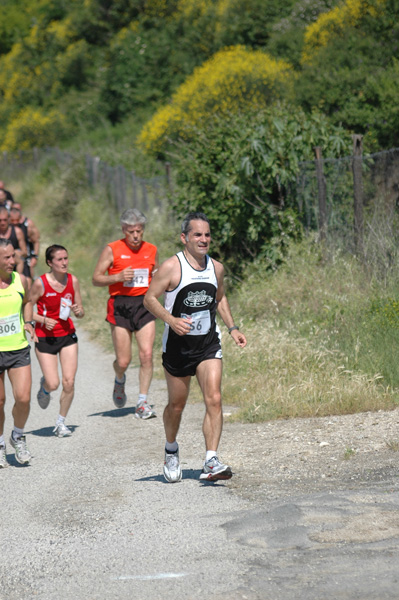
x=323 y=338
x=280 y=375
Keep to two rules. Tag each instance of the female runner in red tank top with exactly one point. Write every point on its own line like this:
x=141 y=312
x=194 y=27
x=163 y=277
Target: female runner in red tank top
x=57 y=294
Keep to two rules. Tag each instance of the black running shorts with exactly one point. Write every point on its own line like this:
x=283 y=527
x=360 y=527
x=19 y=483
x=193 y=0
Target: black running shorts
x=185 y=365
x=14 y=359
x=128 y=312
x=53 y=345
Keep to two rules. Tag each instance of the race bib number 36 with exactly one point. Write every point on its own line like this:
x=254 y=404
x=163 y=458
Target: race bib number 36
x=10 y=325
x=200 y=322
x=140 y=279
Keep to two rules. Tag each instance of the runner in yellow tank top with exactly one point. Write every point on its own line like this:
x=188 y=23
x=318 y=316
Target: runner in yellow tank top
x=16 y=313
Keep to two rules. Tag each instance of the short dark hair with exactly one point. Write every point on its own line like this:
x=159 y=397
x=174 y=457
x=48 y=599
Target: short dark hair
x=5 y=242
x=192 y=216
x=51 y=250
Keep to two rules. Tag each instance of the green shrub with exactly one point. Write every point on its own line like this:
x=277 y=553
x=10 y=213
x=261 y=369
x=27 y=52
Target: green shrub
x=237 y=171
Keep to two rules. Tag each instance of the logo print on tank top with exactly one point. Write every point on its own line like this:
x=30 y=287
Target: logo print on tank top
x=198 y=299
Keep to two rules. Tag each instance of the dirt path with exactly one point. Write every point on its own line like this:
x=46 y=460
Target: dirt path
x=312 y=510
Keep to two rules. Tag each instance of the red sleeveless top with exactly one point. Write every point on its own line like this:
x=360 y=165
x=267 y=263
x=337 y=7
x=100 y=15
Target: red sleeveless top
x=49 y=304
x=141 y=260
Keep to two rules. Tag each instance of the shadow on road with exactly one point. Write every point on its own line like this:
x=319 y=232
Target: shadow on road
x=186 y=474
x=116 y=412
x=48 y=431
x=12 y=461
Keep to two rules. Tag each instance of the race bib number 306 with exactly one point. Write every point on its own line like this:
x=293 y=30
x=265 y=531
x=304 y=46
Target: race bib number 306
x=10 y=325
x=200 y=322
x=140 y=279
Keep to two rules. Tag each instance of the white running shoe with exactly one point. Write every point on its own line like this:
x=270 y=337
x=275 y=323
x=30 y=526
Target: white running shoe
x=171 y=468
x=3 y=458
x=43 y=397
x=144 y=411
x=22 y=453
x=214 y=470
x=61 y=430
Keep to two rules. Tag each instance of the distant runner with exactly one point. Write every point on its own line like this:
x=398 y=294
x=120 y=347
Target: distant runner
x=16 y=237
x=7 y=194
x=57 y=294
x=31 y=236
x=15 y=319
x=127 y=266
x=192 y=283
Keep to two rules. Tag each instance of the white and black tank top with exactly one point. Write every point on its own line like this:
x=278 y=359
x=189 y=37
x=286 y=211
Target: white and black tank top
x=195 y=296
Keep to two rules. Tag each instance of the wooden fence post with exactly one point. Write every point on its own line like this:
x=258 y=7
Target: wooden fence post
x=122 y=188
x=168 y=176
x=36 y=158
x=144 y=200
x=322 y=193
x=89 y=169
x=358 y=191
x=95 y=166
x=134 y=187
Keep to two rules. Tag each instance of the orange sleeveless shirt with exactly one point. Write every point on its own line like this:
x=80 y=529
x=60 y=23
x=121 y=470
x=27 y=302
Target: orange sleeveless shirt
x=143 y=263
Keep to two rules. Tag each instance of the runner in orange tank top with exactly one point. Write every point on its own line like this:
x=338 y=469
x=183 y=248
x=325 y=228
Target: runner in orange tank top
x=126 y=267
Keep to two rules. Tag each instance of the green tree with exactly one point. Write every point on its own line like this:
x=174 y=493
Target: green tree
x=138 y=70
x=251 y=23
x=354 y=77
x=287 y=34
x=14 y=23
x=237 y=170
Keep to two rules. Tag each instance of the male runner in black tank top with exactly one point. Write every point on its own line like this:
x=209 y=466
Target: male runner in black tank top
x=193 y=286
x=31 y=237
x=15 y=235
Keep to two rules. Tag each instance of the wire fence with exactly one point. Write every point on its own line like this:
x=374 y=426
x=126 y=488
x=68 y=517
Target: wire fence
x=122 y=187
x=351 y=202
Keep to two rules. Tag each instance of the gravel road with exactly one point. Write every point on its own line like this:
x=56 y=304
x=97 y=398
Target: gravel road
x=312 y=510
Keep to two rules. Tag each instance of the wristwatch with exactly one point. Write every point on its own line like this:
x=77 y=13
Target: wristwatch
x=230 y=329
x=33 y=323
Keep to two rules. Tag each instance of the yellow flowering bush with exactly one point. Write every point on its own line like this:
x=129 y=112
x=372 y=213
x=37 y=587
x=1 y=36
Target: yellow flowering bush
x=61 y=31
x=232 y=79
x=28 y=73
x=34 y=127
x=24 y=84
x=331 y=24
